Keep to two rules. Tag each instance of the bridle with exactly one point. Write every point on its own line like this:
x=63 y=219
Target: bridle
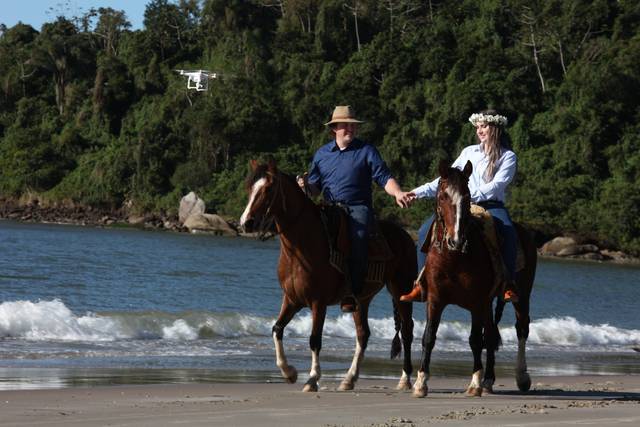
x=269 y=218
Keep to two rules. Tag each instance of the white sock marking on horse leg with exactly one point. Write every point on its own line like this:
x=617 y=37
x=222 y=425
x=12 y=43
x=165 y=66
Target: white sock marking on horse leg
x=281 y=359
x=254 y=190
x=354 y=370
x=315 y=366
x=420 y=385
x=476 y=379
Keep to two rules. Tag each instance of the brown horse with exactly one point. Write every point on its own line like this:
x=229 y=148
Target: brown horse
x=459 y=271
x=308 y=280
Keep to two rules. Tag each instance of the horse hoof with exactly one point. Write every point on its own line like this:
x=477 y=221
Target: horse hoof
x=420 y=392
x=310 y=387
x=523 y=381
x=403 y=385
x=487 y=390
x=474 y=391
x=346 y=385
x=290 y=375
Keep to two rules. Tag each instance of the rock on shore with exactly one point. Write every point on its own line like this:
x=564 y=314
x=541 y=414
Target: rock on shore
x=568 y=247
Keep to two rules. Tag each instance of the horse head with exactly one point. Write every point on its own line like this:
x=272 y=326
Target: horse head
x=262 y=185
x=453 y=204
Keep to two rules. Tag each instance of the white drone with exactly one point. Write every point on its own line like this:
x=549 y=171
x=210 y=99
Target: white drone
x=198 y=79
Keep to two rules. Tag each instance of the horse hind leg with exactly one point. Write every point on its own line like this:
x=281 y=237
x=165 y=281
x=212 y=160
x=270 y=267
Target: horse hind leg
x=363 y=333
x=406 y=329
x=492 y=343
x=523 y=380
x=318 y=314
x=287 y=311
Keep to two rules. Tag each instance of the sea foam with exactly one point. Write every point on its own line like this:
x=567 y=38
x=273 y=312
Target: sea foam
x=54 y=321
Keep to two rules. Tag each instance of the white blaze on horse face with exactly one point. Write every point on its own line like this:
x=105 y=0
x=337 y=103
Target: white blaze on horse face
x=254 y=191
x=456 y=200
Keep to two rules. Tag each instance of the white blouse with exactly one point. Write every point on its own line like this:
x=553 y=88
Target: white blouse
x=481 y=191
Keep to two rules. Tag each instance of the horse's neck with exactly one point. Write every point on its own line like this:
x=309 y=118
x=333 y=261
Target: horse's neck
x=300 y=221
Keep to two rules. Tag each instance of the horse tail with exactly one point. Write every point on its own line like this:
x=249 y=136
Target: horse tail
x=396 y=346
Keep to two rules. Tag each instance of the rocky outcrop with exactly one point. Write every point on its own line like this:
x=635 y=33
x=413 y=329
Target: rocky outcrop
x=568 y=247
x=209 y=223
x=189 y=205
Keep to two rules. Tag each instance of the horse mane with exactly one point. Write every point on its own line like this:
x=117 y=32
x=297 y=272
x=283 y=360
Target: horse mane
x=262 y=170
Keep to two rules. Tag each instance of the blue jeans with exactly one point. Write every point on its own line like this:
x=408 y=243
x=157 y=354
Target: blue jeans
x=360 y=220
x=505 y=229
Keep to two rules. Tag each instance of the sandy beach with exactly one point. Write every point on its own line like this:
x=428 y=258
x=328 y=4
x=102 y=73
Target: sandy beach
x=585 y=400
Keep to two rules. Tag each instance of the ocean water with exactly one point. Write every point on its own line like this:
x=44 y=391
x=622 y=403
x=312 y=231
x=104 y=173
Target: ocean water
x=85 y=306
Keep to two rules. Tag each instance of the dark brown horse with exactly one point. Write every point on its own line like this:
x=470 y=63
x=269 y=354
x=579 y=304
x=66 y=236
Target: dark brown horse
x=308 y=280
x=459 y=271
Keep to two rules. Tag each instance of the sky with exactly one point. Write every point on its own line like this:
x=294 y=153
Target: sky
x=37 y=12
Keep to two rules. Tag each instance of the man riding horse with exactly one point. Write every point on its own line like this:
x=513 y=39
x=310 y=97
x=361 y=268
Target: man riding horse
x=343 y=171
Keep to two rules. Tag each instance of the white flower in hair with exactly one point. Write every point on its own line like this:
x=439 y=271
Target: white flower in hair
x=495 y=119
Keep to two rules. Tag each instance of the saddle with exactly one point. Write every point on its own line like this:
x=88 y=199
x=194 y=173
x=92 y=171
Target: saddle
x=336 y=224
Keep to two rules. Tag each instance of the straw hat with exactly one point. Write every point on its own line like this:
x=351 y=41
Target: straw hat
x=343 y=114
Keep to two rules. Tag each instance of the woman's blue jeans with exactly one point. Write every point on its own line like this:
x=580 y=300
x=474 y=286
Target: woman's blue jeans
x=504 y=227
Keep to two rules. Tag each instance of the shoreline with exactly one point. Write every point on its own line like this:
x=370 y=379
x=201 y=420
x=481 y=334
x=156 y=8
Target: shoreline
x=596 y=400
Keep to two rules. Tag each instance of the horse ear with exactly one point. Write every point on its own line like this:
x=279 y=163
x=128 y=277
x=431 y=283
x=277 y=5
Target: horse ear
x=253 y=164
x=443 y=168
x=468 y=168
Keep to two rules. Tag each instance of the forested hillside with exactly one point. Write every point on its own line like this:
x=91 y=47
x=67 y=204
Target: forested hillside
x=92 y=112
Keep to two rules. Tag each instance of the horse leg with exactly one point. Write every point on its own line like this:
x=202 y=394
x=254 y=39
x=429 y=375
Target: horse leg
x=287 y=311
x=434 y=313
x=318 y=314
x=360 y=318
x=492 y=342
x=522 y=331
x=475 y=341
x=406 y=329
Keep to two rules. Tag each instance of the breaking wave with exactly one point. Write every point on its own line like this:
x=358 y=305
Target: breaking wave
x=54 y=321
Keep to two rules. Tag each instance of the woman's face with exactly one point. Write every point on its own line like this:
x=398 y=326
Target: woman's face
x=482 y=131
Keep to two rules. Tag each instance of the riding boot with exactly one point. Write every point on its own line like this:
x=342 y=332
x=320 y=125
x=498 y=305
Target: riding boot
x=510 y=294
x=418 y=292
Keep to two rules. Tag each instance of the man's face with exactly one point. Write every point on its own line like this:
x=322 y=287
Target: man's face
x=345 y=131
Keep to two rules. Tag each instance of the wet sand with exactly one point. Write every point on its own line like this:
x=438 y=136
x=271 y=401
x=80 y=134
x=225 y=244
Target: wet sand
x=591 y=400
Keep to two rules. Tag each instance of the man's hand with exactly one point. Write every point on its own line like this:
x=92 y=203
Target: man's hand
x=302 y=180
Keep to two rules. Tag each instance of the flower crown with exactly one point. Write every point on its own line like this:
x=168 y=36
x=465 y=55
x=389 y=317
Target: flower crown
x=496 y=119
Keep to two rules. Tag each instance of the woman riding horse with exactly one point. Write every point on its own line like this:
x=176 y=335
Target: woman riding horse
x=494 y=167
x=459 y=269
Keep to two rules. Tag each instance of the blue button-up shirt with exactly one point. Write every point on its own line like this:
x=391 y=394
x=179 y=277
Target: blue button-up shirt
x=345 y=176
